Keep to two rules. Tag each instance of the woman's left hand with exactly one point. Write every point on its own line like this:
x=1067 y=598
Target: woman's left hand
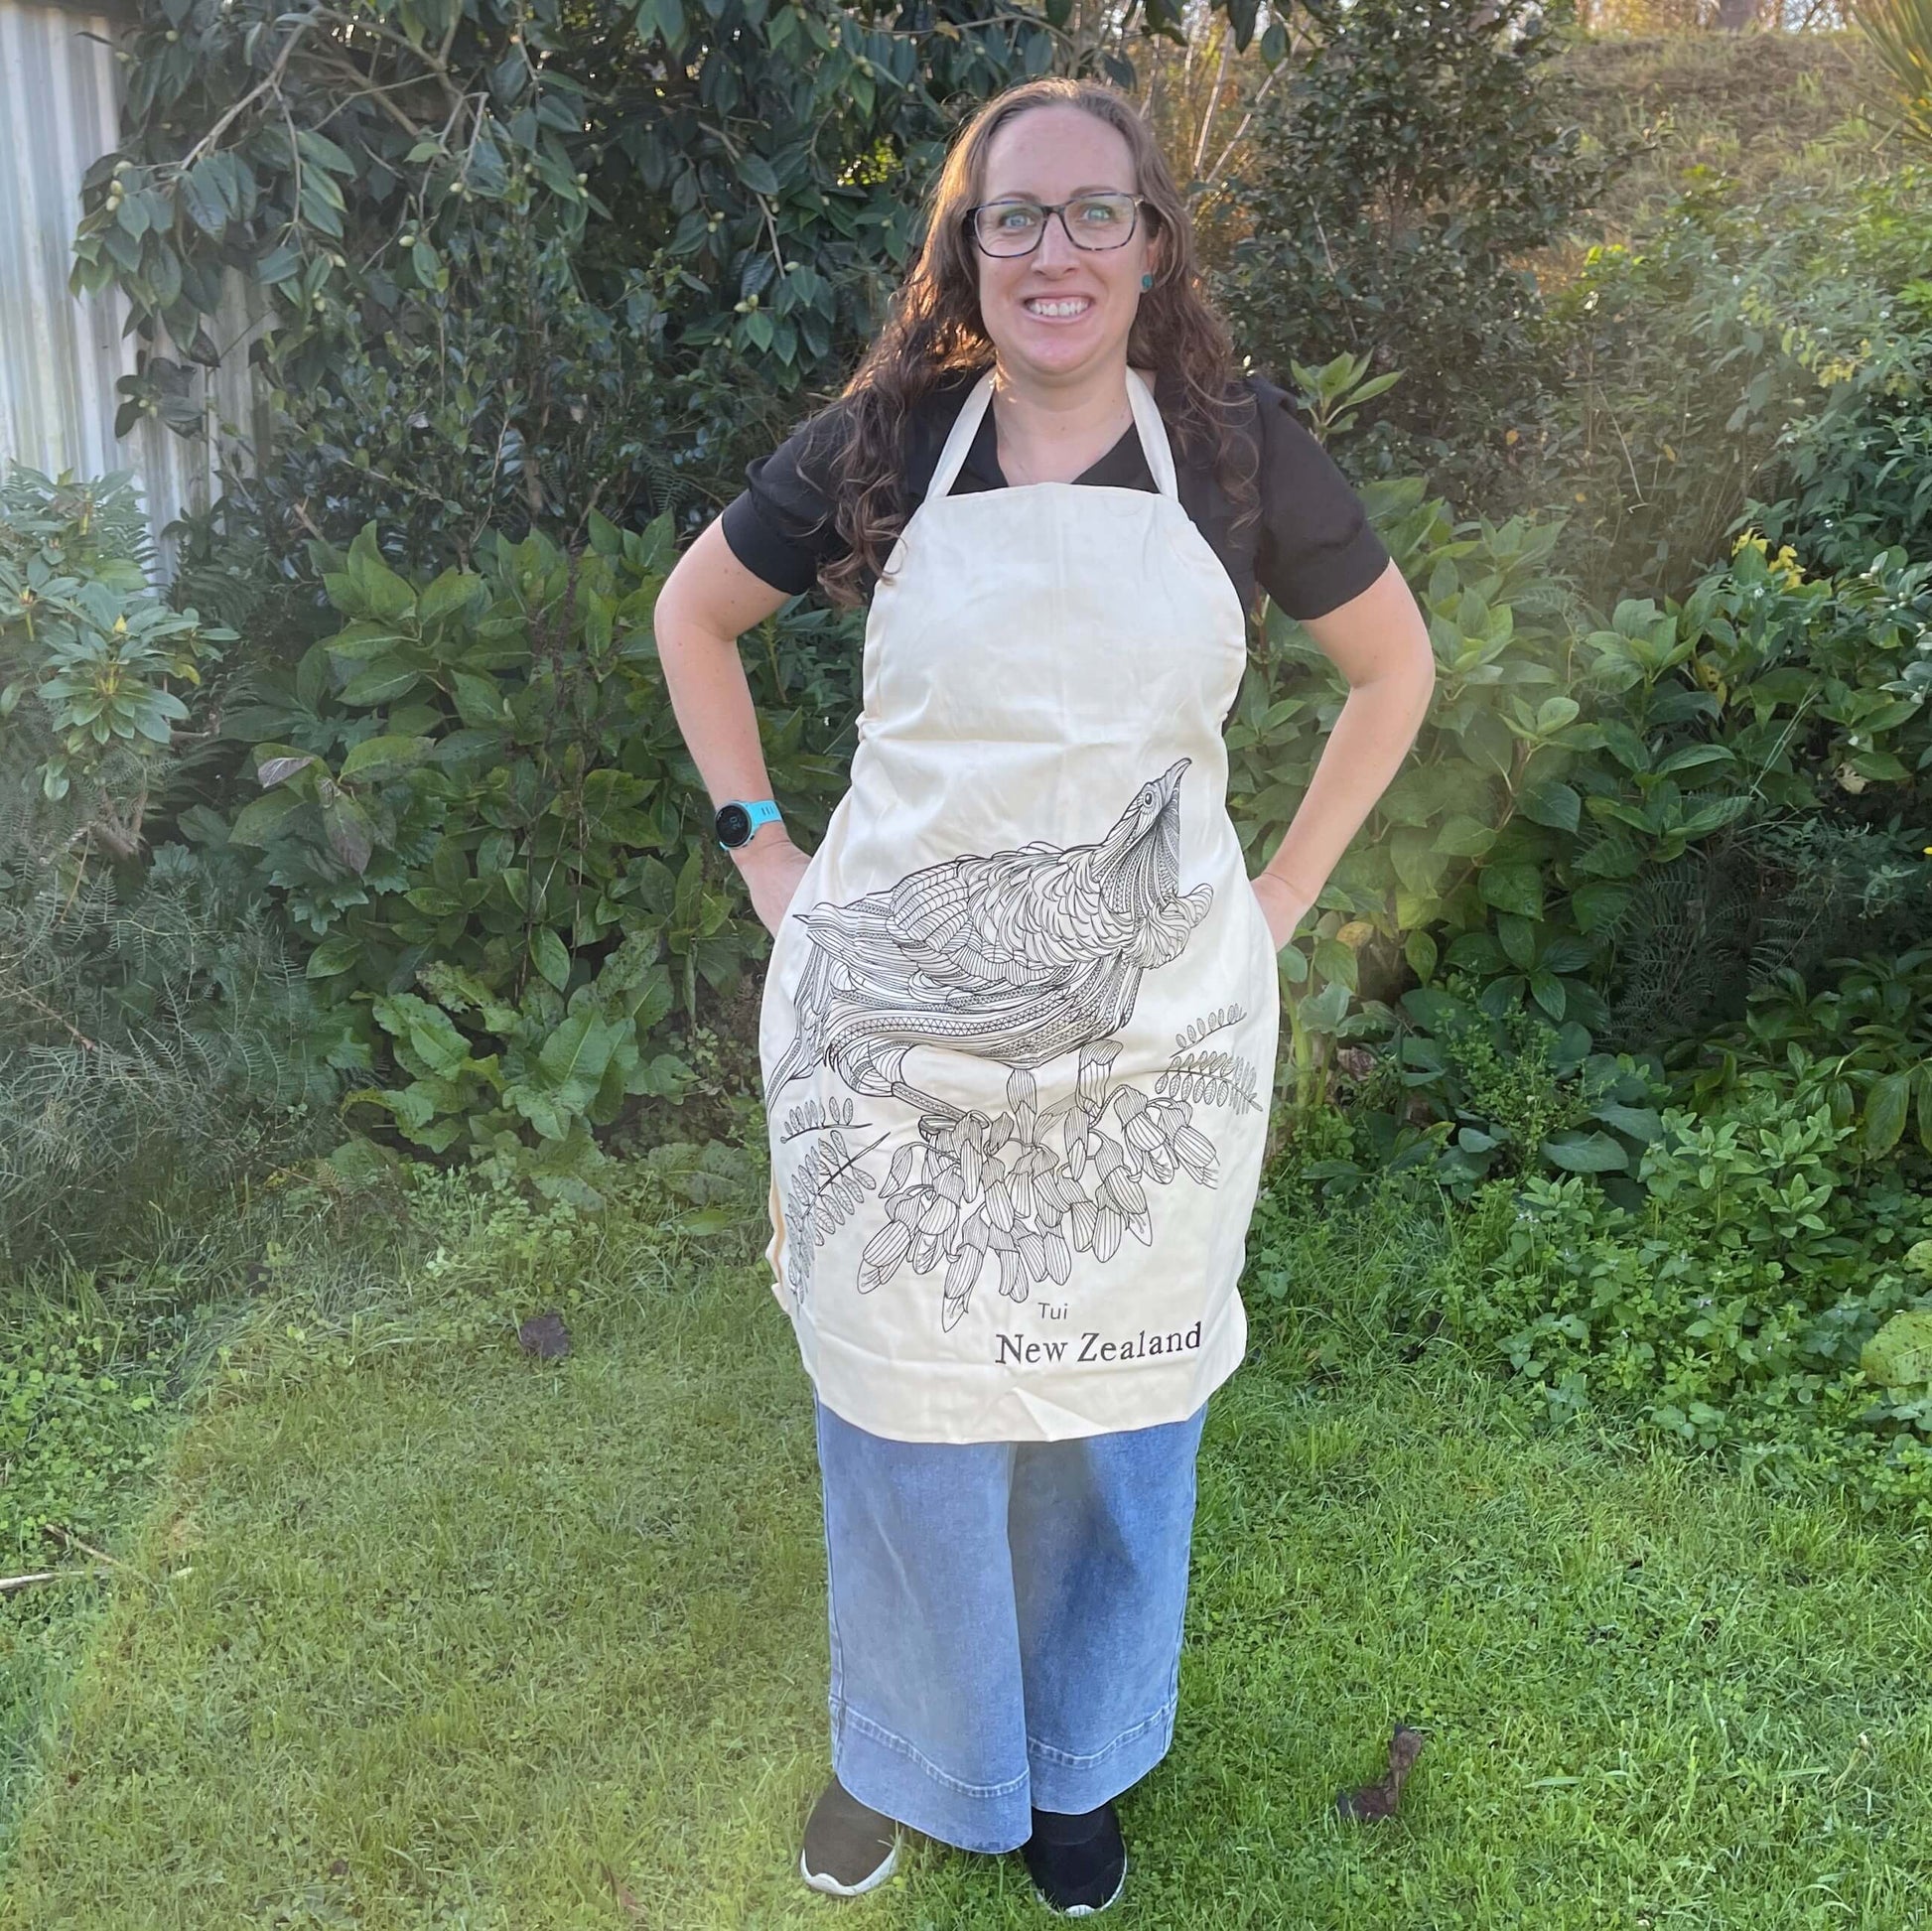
x=1280 y=905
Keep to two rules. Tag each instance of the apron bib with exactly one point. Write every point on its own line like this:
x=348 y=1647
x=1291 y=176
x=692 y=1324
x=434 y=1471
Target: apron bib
x=1019 y=1026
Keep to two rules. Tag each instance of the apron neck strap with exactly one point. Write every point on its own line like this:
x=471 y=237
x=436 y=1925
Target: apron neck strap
x=1153 y=436
x=966 y=425
x=1147 y=419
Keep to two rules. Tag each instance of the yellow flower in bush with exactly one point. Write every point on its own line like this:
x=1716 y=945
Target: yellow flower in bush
x=1784 y=566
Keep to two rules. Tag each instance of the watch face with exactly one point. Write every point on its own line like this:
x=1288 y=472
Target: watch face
x=734 y=824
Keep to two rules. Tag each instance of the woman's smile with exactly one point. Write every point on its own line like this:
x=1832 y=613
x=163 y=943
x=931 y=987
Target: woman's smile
x=1059 y=308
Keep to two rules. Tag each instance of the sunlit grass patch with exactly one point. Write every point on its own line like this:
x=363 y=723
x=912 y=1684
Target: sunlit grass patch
x=448 y=1636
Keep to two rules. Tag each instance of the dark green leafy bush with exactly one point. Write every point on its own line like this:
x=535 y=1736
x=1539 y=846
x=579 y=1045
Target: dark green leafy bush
x=505 y=398
x=1472 y=1087
x=1860 y=480
x=1391 y=190
x=476 y=802
x=1863 y=1039
x=1577 y=768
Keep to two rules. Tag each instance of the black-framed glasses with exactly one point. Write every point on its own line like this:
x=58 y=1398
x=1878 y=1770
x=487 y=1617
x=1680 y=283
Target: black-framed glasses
x=1016 y=226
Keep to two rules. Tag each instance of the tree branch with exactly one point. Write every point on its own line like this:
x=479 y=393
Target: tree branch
x=270 y=83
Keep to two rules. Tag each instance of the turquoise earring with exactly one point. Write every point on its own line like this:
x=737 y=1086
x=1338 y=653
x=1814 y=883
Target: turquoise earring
x=1146 y=281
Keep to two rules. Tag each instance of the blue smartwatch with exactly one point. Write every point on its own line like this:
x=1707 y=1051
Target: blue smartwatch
x=737 y=820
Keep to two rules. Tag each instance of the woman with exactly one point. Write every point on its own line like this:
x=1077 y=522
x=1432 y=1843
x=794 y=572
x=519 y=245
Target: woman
x=1020 y=1020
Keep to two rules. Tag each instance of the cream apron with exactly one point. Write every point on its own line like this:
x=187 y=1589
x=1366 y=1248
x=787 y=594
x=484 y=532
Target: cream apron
x=1019 y=1024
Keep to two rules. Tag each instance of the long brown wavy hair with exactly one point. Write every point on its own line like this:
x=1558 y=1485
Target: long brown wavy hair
x=934 y=331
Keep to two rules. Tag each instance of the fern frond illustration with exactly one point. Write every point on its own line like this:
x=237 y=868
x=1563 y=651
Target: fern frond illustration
x=1218 y=1078
x=817 y=1115
x=828 y=1187
x=1201 y=1028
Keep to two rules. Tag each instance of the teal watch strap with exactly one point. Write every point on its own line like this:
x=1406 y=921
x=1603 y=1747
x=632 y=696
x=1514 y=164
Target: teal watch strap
x=740 y=817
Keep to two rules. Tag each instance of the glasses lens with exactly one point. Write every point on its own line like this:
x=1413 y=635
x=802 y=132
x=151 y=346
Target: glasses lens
x=1101 y=221
x=1009 y=228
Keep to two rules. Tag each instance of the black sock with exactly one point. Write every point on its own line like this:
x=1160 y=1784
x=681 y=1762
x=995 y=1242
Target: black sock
x=1068 y=1827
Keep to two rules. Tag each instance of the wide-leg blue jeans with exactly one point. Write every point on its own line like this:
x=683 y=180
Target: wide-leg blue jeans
x=1006 y=1620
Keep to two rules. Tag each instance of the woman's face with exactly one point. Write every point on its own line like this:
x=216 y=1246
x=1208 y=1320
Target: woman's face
x=1061 y=312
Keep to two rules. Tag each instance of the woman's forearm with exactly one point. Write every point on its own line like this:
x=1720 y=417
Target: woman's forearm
x=1365 y=750
x=712 y=702
x=707 y=603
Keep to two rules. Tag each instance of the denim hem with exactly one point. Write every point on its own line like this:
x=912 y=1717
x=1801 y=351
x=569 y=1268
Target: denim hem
x=872 y=1762
x=1067 y=1760
x=1064 y=1782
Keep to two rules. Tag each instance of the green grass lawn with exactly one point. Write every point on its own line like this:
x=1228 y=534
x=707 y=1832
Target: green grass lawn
x=434 y=1635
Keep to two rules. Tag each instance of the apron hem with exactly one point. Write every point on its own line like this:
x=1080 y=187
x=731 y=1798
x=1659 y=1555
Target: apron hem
x=1002 y=1408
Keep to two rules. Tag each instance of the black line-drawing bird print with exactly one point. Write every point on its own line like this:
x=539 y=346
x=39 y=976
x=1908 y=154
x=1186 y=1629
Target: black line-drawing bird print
x=1018 y=958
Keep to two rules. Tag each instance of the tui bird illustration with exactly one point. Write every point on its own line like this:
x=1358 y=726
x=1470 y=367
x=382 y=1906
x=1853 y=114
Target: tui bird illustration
x=1018 y=958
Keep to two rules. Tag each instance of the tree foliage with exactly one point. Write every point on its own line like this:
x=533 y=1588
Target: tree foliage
x=1388 y=194
x=517 y=258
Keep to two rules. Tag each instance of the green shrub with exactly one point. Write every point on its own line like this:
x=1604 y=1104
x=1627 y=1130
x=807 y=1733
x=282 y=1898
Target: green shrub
x=1863 y=1039
x=1774 y=350
x=1469 y=1091
x=1860 y=482
x=476 y=802
x=152 y=1035
x=1733 y=1310
x=1855 y=469
x=92 y=662
x=1619 y=823
x=509 y=399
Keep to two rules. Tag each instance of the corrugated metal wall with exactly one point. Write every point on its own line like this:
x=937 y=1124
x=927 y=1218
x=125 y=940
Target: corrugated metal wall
x=61 y=356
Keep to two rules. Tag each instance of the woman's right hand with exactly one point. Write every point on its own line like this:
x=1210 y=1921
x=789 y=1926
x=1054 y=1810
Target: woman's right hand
x=771 y=866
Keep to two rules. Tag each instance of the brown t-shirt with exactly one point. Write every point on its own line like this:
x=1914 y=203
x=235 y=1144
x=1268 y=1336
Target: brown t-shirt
x=1310 y=549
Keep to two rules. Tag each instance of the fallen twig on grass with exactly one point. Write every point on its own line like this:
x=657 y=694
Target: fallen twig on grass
x=7 y=1583
x=72 y=1541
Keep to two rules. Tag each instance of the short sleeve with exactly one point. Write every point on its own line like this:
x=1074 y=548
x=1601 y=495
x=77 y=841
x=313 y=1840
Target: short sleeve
x=1315 y=548
x=780 y=525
